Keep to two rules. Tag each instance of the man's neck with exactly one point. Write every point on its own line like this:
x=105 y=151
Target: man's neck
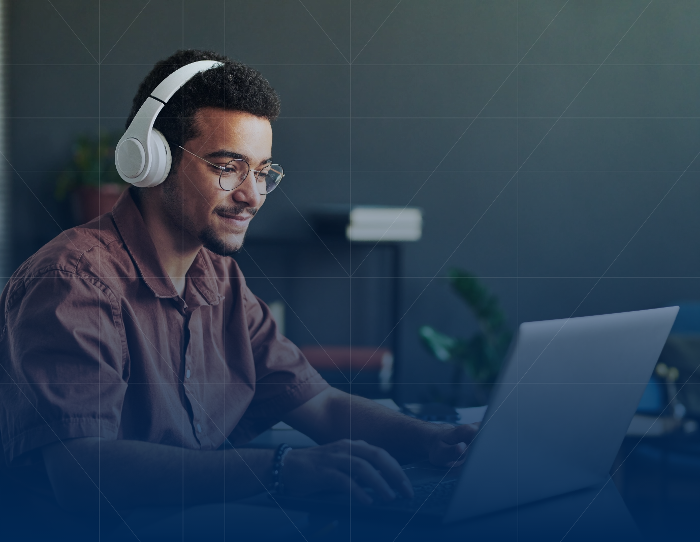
x=175 y=249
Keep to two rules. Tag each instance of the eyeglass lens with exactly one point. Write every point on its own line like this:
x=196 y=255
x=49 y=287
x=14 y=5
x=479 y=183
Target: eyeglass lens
x=236 y=172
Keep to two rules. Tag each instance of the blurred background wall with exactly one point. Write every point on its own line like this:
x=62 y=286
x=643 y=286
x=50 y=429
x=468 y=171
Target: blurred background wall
x=550 y=144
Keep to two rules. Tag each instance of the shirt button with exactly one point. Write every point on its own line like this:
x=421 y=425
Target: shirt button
x=187 y=374
x=199 y=428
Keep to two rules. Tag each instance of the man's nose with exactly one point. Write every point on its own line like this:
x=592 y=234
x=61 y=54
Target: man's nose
x=248 y=191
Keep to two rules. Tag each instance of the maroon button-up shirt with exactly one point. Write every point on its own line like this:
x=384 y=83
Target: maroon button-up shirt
x=96 y=342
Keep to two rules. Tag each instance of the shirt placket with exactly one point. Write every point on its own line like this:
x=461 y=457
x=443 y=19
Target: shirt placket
x=192 y=386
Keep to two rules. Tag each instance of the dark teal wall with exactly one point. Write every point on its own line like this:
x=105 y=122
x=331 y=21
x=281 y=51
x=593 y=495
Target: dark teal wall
x=579 y=165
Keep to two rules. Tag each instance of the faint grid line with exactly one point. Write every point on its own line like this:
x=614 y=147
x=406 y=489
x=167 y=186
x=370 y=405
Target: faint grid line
x=330 y=277
x=375 y=32
x=182 y=242
x=587 y=171
x=695 y=64
x=466 y=117
x=517 y=256
x=462 y=135
x=465 y=384
x=322 y=30
x=71 y=29
x=510 y=64
x=125 y=31
x=391 y=117
x=350 y=502
x=224 y=336
x=99 y=264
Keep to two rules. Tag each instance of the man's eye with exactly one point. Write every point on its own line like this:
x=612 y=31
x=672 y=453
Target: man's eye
x=224 y=171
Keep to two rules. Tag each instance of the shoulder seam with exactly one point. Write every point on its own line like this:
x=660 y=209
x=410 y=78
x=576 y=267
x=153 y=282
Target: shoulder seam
x=95 y=281
x=105 y=243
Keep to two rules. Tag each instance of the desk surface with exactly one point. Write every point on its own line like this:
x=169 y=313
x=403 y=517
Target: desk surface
x=596 y=515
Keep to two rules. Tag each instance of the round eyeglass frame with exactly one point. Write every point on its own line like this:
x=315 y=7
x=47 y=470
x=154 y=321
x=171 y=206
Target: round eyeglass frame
x=274 y=167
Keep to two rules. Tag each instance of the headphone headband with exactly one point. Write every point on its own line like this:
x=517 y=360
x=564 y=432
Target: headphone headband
x=142 y=155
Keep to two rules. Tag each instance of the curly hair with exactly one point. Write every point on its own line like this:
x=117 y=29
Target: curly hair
x=233 y=86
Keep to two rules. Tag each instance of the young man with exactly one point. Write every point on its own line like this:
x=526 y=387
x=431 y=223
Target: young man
x=134 y=358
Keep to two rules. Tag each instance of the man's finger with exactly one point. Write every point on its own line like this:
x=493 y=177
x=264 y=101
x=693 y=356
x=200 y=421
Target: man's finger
x=461 y=433
x=362 y=471
x=447 y=455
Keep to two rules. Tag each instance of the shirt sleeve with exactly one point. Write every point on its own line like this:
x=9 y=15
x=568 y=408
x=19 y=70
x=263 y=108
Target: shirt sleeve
x=284 y=378
x=62 y=355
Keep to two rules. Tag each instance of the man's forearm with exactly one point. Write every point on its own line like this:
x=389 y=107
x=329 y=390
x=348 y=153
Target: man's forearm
x=335 y=415
x=131 y=473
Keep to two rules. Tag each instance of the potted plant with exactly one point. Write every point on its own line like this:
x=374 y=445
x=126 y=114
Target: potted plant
x=91 y=180
x=481 y=355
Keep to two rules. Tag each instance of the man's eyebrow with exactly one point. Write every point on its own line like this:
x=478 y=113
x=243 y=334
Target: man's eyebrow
x=222 y=153
x=225 y=154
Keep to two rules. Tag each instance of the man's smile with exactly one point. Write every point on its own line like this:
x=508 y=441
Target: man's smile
x=236 y=216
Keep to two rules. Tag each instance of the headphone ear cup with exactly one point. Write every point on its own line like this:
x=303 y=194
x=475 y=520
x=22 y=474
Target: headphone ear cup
x=130 y=159
x=161 y=160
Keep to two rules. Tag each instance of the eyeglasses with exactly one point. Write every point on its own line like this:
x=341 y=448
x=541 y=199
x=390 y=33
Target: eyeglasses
x=236 y=171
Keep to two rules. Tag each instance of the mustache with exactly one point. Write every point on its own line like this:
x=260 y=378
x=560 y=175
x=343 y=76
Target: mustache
x=236 y=210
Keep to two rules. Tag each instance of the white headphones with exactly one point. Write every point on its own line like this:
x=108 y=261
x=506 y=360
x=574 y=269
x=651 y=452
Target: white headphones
x=143 y=156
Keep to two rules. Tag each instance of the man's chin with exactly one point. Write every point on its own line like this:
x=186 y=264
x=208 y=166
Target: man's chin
x=223 y=246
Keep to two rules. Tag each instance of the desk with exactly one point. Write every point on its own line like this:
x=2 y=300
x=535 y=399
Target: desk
x=592 y=515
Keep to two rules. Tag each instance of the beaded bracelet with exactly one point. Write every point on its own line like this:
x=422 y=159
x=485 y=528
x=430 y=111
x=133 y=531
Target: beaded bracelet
x=277 y=486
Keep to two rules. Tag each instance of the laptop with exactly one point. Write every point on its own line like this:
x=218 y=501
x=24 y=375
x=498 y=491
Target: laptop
x=556 y=418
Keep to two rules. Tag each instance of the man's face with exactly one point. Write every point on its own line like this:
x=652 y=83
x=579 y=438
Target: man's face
x=194 y=202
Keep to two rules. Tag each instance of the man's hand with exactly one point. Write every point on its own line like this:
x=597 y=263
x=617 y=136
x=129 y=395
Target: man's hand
x=449 y=445
x=345 y=466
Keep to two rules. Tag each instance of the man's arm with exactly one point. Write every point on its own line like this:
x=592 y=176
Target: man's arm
x=133 y=474
x=334 y=414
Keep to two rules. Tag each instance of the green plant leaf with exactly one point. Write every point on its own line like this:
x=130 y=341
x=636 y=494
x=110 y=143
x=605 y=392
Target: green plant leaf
x=482 y=354
x=439 y=344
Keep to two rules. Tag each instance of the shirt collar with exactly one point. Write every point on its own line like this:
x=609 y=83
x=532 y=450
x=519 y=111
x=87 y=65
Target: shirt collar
x=139 y=244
